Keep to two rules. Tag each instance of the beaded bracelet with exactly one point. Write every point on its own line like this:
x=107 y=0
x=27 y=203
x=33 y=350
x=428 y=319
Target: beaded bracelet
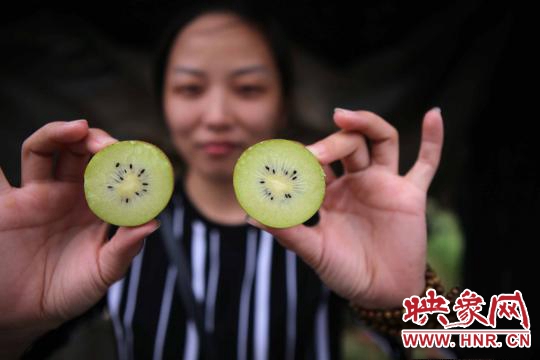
x=390 y=321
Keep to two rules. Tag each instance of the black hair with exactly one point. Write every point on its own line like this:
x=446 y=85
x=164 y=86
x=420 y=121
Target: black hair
x=267 y=26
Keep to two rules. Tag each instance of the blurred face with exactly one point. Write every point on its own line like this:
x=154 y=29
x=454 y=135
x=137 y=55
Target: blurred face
x=222 y=93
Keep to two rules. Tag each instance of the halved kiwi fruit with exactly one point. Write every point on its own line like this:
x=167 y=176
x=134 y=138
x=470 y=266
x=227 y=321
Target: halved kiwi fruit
x=128 y=183
x=279 y=183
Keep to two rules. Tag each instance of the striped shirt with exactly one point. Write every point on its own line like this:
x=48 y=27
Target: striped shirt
x=259 y=300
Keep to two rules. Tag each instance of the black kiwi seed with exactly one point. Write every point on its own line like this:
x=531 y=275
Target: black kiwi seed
x=117 y=164
x=130 y=166
x=267 y=168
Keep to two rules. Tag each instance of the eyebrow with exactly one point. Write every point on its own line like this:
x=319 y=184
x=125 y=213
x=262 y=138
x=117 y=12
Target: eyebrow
x=187 y=70
x=238 y=72
x=249 y=70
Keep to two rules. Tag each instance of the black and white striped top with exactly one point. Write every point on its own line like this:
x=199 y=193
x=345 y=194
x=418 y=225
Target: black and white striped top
x=260 y=301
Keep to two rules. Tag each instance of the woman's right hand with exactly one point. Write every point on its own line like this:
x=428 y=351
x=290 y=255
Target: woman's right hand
x=55 y=258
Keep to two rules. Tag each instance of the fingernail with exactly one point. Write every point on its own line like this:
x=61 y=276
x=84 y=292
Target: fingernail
x=104 y=140
x=314 y=150
x=158 y=225
x=343 y=111
x=436 y=108
x=75 y=122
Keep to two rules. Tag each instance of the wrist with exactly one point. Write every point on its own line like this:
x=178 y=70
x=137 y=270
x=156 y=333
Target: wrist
x=390 y=293
x=389 y=321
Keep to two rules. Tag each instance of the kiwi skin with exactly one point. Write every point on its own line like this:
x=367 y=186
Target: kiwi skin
x=101 y=170
x=264 y=172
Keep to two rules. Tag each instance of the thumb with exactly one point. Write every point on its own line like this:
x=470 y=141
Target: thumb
x=116 y=255
x=303 y=240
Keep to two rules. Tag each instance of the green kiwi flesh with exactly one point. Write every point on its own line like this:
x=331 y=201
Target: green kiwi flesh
x=279 y=183
x=128 y=183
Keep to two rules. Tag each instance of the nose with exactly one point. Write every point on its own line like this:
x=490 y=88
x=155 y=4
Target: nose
x=216 y=114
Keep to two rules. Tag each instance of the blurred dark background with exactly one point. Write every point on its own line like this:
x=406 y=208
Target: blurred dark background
x=471 y=58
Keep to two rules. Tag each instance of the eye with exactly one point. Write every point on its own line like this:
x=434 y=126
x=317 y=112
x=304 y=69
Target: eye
x=250 y=91
x=188 y=90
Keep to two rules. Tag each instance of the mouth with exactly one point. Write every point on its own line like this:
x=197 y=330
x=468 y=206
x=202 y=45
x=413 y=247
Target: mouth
x=218 y=148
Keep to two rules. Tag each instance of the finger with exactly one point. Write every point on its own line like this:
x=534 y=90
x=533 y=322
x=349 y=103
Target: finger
x=95 y=141
x=349 y=147
x=303 y=240
x=73 y=160
x=429 y=155
x=330 y=174
x=4 y=183
x=98 y=139
x=39 y=149
x=116 y=255
x=383 y=136
x=71 y=165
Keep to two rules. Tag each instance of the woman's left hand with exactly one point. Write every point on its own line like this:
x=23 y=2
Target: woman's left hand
x=370 y=243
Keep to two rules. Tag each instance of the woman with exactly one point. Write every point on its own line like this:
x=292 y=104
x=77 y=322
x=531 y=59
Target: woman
x=223 y=90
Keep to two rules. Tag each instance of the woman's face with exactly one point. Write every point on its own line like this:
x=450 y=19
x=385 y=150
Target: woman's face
x=222 y=93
